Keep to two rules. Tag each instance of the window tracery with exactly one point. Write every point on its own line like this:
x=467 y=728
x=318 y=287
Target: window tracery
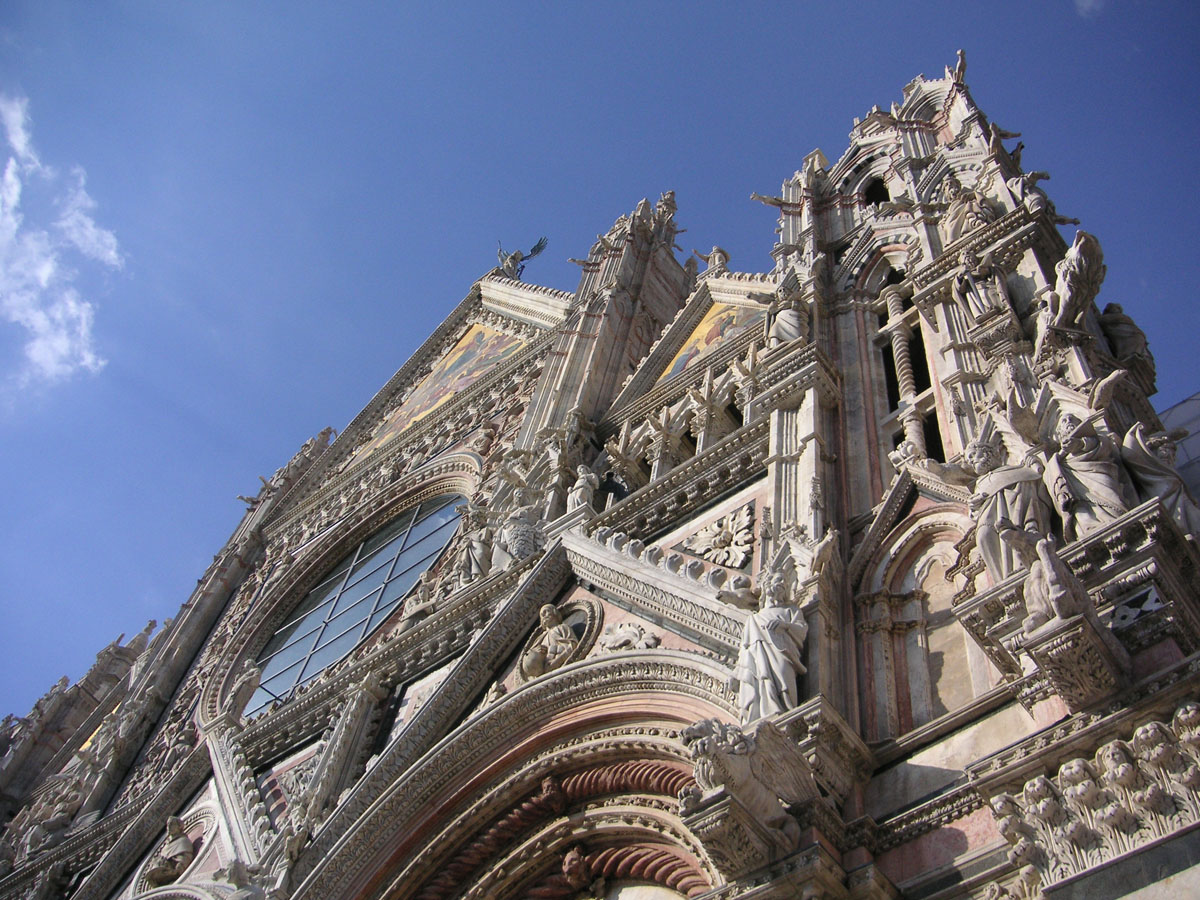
x=357 y=596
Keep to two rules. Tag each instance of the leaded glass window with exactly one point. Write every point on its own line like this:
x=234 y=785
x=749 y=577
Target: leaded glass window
x=357 y=595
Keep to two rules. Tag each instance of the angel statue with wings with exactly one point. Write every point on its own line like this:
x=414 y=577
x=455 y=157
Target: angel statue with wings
x=770 y=653
x=513 y=264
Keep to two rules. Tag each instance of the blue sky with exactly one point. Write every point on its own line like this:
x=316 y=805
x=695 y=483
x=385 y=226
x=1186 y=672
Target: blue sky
x=225 y=225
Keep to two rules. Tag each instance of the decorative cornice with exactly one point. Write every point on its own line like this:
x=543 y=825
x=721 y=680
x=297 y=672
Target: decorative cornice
x=533 y=303
x=656 y=593
x=929 y=816
x=733 y=460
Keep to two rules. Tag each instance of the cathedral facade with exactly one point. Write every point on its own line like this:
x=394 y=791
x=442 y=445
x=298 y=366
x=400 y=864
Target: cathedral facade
x=869 y=576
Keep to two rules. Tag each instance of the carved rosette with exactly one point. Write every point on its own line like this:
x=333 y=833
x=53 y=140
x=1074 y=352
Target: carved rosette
x=729 y=541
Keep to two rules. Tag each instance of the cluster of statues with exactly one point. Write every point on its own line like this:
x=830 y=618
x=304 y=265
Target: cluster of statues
x=489 y=547
x=1079 y=473
x=1079 y=477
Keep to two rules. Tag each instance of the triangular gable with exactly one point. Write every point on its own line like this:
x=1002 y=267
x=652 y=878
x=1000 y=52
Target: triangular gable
x=478 y=350
x=721 y=322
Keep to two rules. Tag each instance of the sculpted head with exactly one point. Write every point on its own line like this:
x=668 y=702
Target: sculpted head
x=1150 y=740
x=1005 y=805
x=774 y=590
x=1066 y=425
x=1075 y=772
x=1112 y=756
x=549 y=616
x=981 y=457
x=1163 y=447
x=1187 y=718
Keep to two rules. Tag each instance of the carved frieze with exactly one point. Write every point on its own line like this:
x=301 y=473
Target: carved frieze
x=1130 y=793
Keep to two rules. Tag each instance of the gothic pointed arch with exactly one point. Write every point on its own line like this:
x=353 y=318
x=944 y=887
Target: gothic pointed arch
x=916 y=661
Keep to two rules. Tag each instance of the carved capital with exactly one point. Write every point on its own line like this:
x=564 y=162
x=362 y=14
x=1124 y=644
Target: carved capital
x=733 y=837
x=1083 y=668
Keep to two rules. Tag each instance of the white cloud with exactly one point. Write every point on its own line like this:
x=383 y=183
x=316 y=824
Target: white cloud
x=14 y=116
x=1089 y=9
x=78 y=226
x=39 y=290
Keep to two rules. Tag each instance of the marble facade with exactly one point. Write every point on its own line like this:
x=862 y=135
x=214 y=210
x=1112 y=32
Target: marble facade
x=868 y=576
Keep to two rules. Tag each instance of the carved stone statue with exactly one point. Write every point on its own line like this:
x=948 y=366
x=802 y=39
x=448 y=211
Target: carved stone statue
x=553 y=645
x=1044 y=311
x=1078 y=276
x=48 y=831
x=716 y=258
x=960 y=67
x=1084 y=478
x=475 y=555
x=665 y=208
x=979 y=288
x=242 y=877
x=1150 y=459
x=1125 y=338
x=174 y=858
x=967 y=211
x=520 y=536
x=1051 y=589
x=787 y=322
x=423 y=601
x=583 y=489
x=1026 y=192
x=513 y=263
x=626 y=636
x=244 y=686
x=142 y=639
x=772 y=645
x=1005 y=496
